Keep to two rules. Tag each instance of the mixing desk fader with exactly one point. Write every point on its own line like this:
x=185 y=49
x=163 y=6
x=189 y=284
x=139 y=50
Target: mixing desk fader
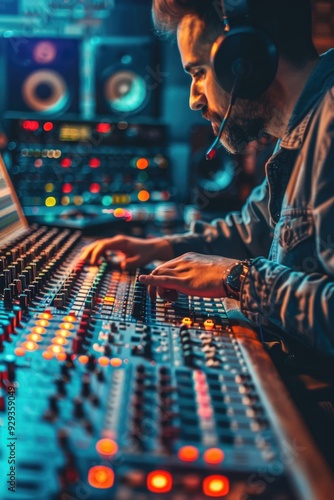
x=106 y=395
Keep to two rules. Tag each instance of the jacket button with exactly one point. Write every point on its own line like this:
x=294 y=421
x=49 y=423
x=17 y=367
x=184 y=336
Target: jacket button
x=277 y=215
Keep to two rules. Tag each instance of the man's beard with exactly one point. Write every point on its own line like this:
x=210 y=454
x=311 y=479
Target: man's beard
x=237 y=136
x=249 y=121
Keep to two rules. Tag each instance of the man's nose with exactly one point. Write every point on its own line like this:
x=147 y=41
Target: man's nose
x=197 y=99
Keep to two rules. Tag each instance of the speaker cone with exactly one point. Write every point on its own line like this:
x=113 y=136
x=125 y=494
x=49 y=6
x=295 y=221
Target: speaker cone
x=45 y=91
x=125 y=92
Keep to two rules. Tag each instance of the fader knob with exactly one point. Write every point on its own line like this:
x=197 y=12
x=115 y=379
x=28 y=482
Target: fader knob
x=85 y=388
x=61 y=387
x=78 y=410
x=53 y=401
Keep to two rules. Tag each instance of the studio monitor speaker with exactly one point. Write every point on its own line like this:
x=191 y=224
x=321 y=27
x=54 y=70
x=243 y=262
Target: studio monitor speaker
x=43 y=75
x=128 y=77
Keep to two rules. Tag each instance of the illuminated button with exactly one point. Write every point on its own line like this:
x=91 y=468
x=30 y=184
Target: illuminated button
x=65 y=200
x=67 y=188
x=48 y=126
x=159 y=481
x=42 y=322
x=95 y=188
x=142 y=163
x=83 y=359
x=56 y=349
x=50 y=201
x=63 y=333
x=101 y=476
x=30 y=345
x=106 y=201
x=216 y=486
x=31 y=125
x=209 y=324
x=119 y=212
x=103 y=361
x=61 y=356
x=78 y=200
x=34 y=337
x=109 y=299
x=203 y=399
x=66 y=326
x=143 y=195
x=107 y=447
x=213 y=456
x=116 y=362
x=70 y=318
x=188 y=453
x=19 y=351
x=103 y=128
x=66 y=162
x=94 y=163
x=59 y=341
x=186 y=321
x=201 y=387
x=45 y=315
x=48 y=355
x=205 y=412
x=38 y=163
x=199 y=376
x=40 y=330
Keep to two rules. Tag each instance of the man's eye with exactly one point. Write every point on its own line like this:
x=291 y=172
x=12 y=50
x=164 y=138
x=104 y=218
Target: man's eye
x=198 y=73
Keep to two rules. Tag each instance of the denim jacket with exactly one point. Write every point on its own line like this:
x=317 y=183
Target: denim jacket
x=287 y=225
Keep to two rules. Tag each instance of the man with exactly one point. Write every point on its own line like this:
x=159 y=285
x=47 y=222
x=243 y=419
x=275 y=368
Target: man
x=286 y=225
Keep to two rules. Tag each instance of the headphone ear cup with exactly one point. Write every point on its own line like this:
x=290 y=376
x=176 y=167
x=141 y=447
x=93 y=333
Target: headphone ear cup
x=248 y=54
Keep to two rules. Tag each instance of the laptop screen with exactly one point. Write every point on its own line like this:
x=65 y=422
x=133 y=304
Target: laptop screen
x=12 y=219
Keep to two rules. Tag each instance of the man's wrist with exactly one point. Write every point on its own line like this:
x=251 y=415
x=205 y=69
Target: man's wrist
x=163 y=249
x=233 y=278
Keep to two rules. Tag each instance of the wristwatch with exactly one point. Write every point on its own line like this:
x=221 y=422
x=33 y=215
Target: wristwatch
x=233 y=278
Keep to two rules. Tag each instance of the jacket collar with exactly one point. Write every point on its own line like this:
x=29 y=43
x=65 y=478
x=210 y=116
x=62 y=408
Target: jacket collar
x=320 y=80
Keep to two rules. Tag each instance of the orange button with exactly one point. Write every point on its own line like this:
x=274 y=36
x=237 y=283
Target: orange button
x=101 y=477
x=213 y=456
x=216 y=486
x=159 y=481
x=188 y=453
x=107 y=447
x=30 y=345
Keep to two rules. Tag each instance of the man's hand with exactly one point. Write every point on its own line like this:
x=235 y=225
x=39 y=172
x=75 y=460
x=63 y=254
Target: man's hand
x=136 y=252
x=191 y=273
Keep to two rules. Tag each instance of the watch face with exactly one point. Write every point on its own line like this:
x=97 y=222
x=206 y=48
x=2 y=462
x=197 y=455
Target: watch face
x=233 y=277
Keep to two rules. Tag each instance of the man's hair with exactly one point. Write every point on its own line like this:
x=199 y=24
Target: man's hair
x=288 y=22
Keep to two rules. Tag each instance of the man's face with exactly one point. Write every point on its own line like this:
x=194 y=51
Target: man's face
x=249 y=120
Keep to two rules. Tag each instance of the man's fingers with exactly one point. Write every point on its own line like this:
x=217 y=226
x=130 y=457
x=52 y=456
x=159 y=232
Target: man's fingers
x=164 y=293
x=165 y=286
x=159 y=281
x=167 y=294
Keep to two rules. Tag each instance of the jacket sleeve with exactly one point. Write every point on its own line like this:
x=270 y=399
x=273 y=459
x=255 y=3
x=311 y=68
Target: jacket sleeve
x=301 y=304
x=239 y=235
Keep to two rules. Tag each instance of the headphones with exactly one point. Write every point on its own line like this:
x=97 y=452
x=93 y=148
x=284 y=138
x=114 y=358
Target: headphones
x=245 y=58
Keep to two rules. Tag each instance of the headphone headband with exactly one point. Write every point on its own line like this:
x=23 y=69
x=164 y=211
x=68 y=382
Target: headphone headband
x=236 y=11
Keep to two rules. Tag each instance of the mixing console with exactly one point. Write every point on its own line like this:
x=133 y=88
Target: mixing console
x=107 y=395
x=61 y=165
